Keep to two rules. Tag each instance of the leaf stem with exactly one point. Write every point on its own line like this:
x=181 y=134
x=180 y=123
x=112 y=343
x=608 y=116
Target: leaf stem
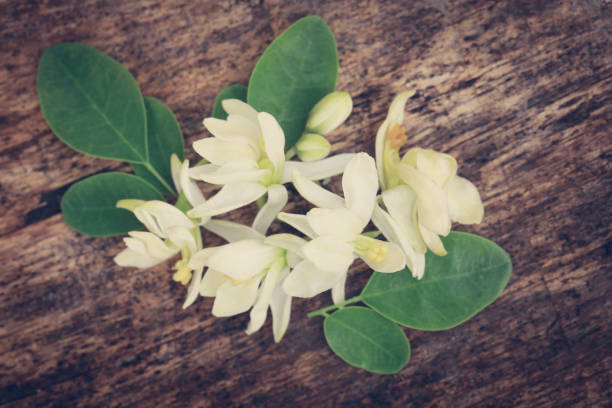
x=323 y=311
x=158 y=177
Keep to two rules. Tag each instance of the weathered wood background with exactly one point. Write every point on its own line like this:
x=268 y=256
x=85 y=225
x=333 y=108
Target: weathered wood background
x=519 y=91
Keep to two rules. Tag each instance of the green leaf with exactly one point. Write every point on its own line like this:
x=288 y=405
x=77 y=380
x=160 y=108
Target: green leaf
x=164 y=138
x=89 y=205
x=365 y=339
x=297 y=70
x=235 y=91
x=455 y=287
x=92 y=103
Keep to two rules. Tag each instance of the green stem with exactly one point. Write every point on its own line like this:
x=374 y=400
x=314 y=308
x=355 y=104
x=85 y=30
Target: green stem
x=323 y=311
x=158 y=177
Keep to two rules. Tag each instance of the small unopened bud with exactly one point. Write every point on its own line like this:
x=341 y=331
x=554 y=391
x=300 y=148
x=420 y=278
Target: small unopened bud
x=312 y=146
x=129 y=204
x=329 y=113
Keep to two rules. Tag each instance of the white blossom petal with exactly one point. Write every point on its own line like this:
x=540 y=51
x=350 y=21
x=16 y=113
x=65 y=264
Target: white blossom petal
x=194 y=288
x=392 y=260
x=341 y=222
x=260 y=308
x=274 y=140
x=289 y=242
x=337 y=291
x=464 y=204
x=432 y=205
x=318 y=169
x=379 y=149
x=234 y=172
x=235 y=129
x=360 y=184
x=232 y=231
x=130 y=258
x=211 y=282
x=299 y=222
x=280 y=306
x=241 y=260
x=158 y=216
x=329 y=254
x=401 y=203
x=433 y=241
x=438 y=167
x=397 y=107
x=175 y=171
x=220 y=152
x=306 y=280
x=152 y=244
x=200 y=258
x=277 y=198
x=183 y=238
x=230 y=197
x=237 y=107
x=233 y=299
x=316 y=194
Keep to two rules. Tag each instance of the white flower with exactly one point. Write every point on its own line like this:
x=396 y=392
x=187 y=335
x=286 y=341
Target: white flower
x=170 y=232
x=421 y=192
x=335 y=228
x=184 y=185
x=246 y=156
x=248 y=273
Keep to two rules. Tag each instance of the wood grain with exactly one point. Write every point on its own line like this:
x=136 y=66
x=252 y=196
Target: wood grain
x=519 y=91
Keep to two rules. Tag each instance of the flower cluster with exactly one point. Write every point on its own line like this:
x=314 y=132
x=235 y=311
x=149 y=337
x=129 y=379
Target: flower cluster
x=420 y=194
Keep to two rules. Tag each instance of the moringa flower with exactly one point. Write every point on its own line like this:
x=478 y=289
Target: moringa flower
x=335 y=228
x=421 y=192
x=246 y=156
x=248 y=273
x=170 y=232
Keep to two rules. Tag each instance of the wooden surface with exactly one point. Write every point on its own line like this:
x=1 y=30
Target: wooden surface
x=519 y=91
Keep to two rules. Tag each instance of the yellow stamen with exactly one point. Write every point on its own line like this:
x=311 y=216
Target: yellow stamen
x=183 y=272
x=377 y=252
x=396 y=136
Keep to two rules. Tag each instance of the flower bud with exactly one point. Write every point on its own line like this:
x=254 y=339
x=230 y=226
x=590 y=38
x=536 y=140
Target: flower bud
x=312 y=146
x=329 y=113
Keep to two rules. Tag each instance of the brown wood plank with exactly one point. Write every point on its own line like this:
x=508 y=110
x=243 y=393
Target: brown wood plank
x=519 y=91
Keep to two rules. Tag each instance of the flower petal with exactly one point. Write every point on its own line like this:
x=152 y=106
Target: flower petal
x=188 y=187
x=280 y=306
x=277 y=198
x=232 y=231
x=233 y=172
x=130 y=258
x=381 y=135
x=211 y=282
x=194 y=289
x=318 y=169
x=288 y=242
x=230 y=197
x=432 y=205
x=274 y=140
x=329 y=254
x=233 y=299
x=306 y=280
x=433 y=241
x=360 y=184
x=397 y=107
x=183 y=238
x=236 y=129
x=260 y=308
x=200 y=258
x=220 y=152
x=401 y=204
x=316 y=194
x=152 y=244
x=341 y=222
x=391 y=260
x=241 y=260
x=439 y=167
x=464 y=204
x=175 y=171
x=299 y=222
x=337 y=291
x=241 y=108
x=158 y=216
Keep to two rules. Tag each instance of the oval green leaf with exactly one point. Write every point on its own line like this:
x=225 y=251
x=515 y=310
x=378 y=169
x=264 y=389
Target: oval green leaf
x=89 y=205
x=92 y=103
x=235 y=91
x=298 y=69
x=164 y=138
x=365 y=339
x=455 y=287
